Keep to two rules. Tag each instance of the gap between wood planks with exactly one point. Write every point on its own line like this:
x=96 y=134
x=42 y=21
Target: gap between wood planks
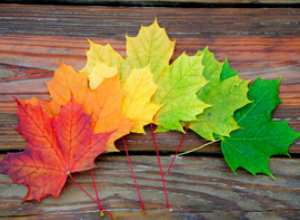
x=168 y=3
x=163 y=154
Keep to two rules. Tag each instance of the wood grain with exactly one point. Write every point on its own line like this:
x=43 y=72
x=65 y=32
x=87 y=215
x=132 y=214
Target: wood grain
x=115 y=22
x=199 y=188
x=33 y=40
x=169 y=3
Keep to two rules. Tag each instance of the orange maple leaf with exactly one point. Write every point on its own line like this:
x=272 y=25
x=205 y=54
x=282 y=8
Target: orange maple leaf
x=104 y=103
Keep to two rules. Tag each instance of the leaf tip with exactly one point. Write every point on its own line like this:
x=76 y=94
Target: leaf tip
x=233 y=170
x=90 y=42
x=109 y=46
x=173 y=42
x=207 y=49
x=16 y=99
x=62 y=62
x=259 y=78
x=271 y=175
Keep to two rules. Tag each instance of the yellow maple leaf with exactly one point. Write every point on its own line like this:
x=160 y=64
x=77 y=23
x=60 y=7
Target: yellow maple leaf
x=136 y=105
x=99 y=73
x=105 y=54
x=151 y=46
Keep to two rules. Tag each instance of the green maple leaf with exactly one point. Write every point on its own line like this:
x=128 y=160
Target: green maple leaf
x=260 y=138
x=225 y=92
x=227 y=72
x=177 y=90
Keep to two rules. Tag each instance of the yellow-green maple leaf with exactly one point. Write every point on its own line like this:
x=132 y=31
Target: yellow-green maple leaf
x=136 y=105
x=225 y=92
x=177 y=90
x=151 y=46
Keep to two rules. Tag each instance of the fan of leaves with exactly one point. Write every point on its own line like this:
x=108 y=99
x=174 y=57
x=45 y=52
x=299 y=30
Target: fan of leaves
x=191 y=91
x=112 y=96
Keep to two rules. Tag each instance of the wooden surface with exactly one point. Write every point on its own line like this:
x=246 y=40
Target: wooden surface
x=237 y=3
x=256 y=41
x=199 y=188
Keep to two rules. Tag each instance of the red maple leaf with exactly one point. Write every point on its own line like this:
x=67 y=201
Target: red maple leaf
x=56 y=147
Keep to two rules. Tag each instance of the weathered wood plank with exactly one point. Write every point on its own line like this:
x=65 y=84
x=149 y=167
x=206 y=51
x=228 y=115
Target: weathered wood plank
x=170 y=3
x=112 y=22
x=199 y=188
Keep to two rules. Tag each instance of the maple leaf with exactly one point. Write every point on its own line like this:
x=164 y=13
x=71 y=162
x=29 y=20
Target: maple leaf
x=225 y=92
x=104 y=54
x=51 y=107
x=66 y=83
x=104 y=103
x=260 y=138
x=177 y=90
x=136 y=105
x=151 y=46
x=56 y=147
x=99 y=73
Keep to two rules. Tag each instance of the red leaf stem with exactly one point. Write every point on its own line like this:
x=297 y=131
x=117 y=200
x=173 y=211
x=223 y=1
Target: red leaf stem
x=183 y=136
x=92 y=197
x=133 y=176
x=96 y=192
x=161 y=172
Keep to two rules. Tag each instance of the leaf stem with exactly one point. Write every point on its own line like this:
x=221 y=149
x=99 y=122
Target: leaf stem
x=114 y=218
x=198 y=148
x=183 y=136
x=133 y=176
x=96 y=192
x=161 y=172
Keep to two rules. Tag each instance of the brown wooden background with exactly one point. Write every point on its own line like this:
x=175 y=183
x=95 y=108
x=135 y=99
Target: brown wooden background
x=256 y=41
